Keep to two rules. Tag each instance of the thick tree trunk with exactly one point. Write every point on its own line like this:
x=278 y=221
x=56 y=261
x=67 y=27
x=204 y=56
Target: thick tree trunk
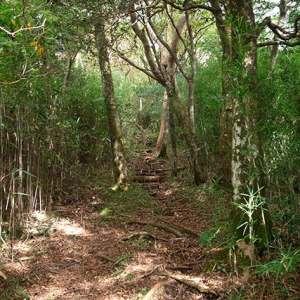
x=115 y=128
x=167 y=65
x=240 y=129
x=247 y=173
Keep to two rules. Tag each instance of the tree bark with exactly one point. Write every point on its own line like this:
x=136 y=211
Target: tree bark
x=168 y=68
x=246 y=161
x=281 y=19
x=68 y=73
x=161 y=144
x=240 y=116
x=115 y=128
x=170 y=95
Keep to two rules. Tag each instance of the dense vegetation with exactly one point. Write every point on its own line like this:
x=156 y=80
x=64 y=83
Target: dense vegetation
x=82 y=87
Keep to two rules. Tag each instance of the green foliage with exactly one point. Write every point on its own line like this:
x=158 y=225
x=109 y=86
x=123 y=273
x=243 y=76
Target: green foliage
x=142 y=243
x=209 y=102
x=118 y=201
x=21 y=53
x=287 y=261
x=207 y=236
x=253 y=202
x=13 y=290
x=279 y=92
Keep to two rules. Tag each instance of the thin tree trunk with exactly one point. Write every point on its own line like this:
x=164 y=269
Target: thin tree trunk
x=161 y=145
x=281 y=19
x=170 y=92
x=115 y=128
x=226 y=113
x=183 y=119
x=67 y=74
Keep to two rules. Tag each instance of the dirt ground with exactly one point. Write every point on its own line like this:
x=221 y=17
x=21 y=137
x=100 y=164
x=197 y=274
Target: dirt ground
x=99 y=248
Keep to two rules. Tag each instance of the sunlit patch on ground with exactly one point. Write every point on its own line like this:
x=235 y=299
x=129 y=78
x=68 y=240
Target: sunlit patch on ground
x=71 y=228
x=40 y=216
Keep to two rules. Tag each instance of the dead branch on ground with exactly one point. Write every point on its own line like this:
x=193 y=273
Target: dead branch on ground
x=199 y=288
x=143 y=234
x=149 y=273
x=163 y=227
x=179 y=268
x=107 y=258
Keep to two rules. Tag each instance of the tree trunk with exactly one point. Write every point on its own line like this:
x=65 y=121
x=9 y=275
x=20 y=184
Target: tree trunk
x=240 y=127
x=170 y=93
x=67 y=74
x=281 y=19
x=115 y=128
x=161 y=145
x=183 y=119
x=226 y=113
x=168 y=67
x=247 y=173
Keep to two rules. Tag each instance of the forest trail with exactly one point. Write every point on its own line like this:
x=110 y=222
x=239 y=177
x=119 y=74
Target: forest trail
x=89 y=249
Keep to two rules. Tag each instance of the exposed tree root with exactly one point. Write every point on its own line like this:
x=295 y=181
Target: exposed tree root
x=107 y=258
x=164 y=227
x=199 y=288
x=114 y=261
x=143 y=234
x=187 y=230
x=157 y=291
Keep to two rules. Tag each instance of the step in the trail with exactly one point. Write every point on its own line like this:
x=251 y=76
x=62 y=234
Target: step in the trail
x=148 y=178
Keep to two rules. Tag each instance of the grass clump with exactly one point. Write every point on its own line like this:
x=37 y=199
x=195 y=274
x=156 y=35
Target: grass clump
x=121 y=202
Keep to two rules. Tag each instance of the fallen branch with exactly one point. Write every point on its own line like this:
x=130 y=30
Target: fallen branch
x=107 y=258
x=199 y=288
x=119 y=261
x=143 y=234
x=164 y=227
x=149 y=273
x=178 y=267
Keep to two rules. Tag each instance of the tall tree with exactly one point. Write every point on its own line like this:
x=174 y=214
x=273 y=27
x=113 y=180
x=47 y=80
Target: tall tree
x=162 y=68
x=115 y=128
x=239 y=33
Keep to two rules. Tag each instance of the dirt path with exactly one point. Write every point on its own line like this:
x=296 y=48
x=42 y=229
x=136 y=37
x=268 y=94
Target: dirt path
x=92 y=250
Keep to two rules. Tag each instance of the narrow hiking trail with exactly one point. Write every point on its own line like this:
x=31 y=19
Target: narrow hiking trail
x=94 y=248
